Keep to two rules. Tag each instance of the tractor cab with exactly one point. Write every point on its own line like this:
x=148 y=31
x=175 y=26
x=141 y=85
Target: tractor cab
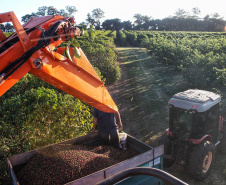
x=194 y=114
x=195 y=130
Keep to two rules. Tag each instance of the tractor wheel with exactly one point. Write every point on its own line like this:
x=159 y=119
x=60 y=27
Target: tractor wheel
x=201 y=159
x=165 y=140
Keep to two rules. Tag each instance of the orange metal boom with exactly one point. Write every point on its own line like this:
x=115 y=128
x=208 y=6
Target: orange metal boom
x=31 y=50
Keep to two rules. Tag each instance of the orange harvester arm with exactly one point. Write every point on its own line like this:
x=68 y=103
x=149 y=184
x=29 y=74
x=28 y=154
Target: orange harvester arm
x=32 y=50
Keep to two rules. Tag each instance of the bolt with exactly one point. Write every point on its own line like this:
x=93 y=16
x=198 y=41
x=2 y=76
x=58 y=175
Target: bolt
x=38 y=63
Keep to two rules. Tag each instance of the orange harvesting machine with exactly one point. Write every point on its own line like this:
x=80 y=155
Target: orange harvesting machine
x=35 y=48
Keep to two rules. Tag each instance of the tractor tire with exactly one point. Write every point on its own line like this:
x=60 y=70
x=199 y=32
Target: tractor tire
x=201 y=159
x=165 y=140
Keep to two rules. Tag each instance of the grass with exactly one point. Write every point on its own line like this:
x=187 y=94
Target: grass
x=142 y=96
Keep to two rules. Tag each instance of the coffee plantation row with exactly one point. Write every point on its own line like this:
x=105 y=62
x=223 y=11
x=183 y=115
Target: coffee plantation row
x=199 y=56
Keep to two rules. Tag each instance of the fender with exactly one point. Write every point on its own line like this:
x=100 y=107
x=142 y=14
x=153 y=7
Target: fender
x=167 y=132
x=198 y=141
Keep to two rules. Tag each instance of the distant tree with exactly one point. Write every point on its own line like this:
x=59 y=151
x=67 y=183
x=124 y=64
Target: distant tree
x=108 y=24
x=27 y=17
x=206 y=18
x=158 y=25
x=214 y=25
x=63 y=13
x=9 y=27
x=138 y=21
x=98 y=14
x=146 y=22
x=142 y=22
x=83 y=25
x=95 y=17
x=196 y=12
x=52 y=11
x=181 y=14
x=127 y=25
x=44 y=10
x=169 y=24
x=2 y=27
x=112 y=24
x=90 y=20
x=216 y=16
x=71 y=10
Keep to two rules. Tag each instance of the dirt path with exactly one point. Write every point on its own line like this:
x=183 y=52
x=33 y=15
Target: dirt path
x=142 y=96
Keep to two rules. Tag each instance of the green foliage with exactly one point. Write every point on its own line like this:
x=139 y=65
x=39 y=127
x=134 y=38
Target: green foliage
x=121 y=38
x=73 y=43
x=91 y=33
x=141 y=37
x=37 y=118
x=26 y=83
x=95 y=17
x=102 y=54
x=183 y=21
x=113 y=34
x=112 y=24
x=221 y=75
x=199 y=56
x=50 y=10
x=8 y=34
x=43 y=112
x=131 y=37
x=99 y=74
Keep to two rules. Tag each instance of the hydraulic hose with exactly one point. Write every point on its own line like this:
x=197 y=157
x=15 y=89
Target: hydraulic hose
x=142 y=171
x=45 y=39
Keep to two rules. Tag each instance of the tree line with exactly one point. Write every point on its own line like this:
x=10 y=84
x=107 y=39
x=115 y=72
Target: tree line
x=182 y=20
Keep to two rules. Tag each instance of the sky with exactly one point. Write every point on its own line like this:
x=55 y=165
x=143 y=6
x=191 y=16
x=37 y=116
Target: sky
x=122 y=9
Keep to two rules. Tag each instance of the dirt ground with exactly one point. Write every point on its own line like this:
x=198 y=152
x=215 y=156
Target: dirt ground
x=142 y=96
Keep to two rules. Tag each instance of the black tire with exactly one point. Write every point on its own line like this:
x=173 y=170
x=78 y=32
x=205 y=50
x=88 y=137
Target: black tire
x=165 y=140
x=201 y=160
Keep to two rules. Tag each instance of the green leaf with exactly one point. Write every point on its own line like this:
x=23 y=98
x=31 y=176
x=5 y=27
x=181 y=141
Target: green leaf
x=76 y=52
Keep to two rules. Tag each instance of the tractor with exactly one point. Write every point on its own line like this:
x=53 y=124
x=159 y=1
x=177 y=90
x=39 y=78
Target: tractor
x=196 y=129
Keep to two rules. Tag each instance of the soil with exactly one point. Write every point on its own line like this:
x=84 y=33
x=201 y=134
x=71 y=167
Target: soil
x=142 y=96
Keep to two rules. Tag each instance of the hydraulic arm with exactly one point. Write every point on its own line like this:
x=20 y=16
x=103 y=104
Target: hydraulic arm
x=32 y=49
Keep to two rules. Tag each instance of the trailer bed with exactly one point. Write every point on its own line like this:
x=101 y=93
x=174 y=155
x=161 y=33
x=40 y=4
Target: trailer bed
x=148 y=157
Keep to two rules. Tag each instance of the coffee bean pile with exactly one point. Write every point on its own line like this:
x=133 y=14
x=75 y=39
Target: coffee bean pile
x=60 y=164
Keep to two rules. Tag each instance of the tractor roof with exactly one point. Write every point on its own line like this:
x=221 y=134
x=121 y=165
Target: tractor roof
x=199 y=100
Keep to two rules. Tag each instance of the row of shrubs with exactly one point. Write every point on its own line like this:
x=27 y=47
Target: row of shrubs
x=34 y=114
x=201 y=61
x=199 y=56
x=102 y=54
x=132 y=38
